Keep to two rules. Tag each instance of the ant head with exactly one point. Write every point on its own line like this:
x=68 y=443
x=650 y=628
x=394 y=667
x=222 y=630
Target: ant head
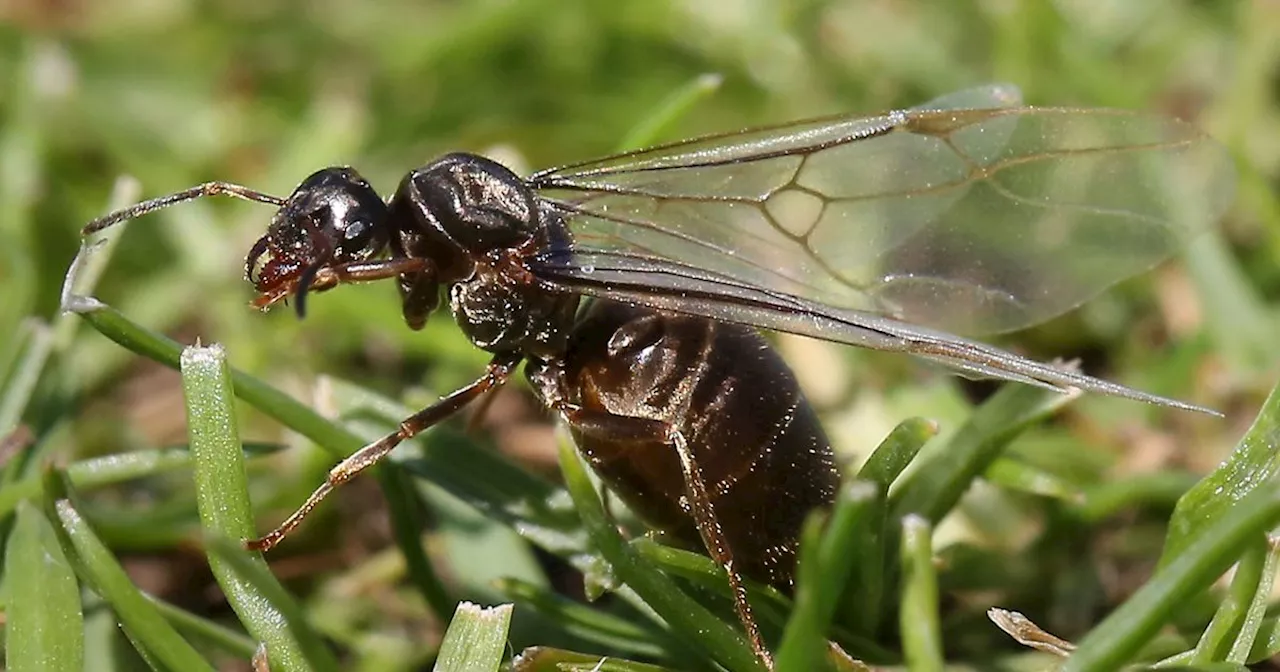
x=333 y=218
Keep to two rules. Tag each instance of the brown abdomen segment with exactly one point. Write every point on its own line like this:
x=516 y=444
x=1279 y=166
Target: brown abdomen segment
x=764 y=456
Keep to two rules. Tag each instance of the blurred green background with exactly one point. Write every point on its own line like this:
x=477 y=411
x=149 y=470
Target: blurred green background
x=175 y=92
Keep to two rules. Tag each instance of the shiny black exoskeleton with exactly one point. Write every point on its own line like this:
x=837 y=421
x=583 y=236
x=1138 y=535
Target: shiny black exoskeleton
x=699 y=426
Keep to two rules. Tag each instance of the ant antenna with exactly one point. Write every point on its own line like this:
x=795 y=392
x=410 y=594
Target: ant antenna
x=200 y=191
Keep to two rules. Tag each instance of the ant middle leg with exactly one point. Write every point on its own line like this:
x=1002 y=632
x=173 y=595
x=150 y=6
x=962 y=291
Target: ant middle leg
x=499 y=370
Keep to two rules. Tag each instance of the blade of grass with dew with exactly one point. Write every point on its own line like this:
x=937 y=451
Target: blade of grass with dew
x=1220 y=635
x=1113 y=642
x=201 y=629
x=587 y=623
x=918 y=617
x=824 y=569
x=222 y=498
x=43 y=621
x=1250 y=466
x=678 y=104
x=249 y=569
x=1266 y=644
x=689 y=621
x=476 y=640
x=96 y=566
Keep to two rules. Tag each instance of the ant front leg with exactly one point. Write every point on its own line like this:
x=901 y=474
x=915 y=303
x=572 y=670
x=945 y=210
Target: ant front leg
x=360 y=271
x=499 y=370
x=550 y=382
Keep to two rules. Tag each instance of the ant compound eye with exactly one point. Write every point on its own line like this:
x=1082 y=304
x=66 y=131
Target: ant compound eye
x=359 y=239
x=356 y=232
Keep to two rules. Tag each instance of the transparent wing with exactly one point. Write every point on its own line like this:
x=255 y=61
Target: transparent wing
x=966 y=214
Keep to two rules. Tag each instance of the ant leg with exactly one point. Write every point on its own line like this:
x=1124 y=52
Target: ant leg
x=366 y=271
x=500 y=368
x=480 y=410
x=361 y=271
x=628 y=428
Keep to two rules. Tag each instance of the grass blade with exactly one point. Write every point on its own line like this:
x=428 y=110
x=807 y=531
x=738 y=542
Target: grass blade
x=1222 y=631
x=222 y=497
x=476 y=640
x=587 y=623
x=258 y=580
x=676 y=105
x=934 y=489
x=824 y=569
x=1112 y=642
x=897 y=451
x=143 y=623
x=921 y=635
x=407 y=522
x=1250 y=466
x=1251 y=624
x=688 y=620
x=44 y=625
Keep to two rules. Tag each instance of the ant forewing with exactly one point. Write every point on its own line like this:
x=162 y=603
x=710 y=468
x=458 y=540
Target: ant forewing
x=968 y=214
x=895 y=232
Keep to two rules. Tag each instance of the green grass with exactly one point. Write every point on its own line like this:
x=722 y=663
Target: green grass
x=1107 y=523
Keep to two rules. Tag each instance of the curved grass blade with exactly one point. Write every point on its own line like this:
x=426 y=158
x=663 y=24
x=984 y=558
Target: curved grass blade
x=896 y=451
x=669 y=111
